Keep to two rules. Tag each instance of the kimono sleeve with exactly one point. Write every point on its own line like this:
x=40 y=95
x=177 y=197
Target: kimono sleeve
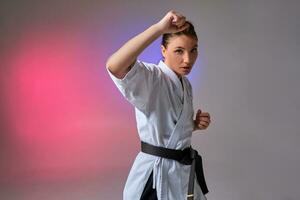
x=137 y=84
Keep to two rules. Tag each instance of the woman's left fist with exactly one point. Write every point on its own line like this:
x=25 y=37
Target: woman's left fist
x=202 y=120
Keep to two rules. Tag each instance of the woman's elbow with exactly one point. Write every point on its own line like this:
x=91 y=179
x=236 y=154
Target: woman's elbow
x=114 y=69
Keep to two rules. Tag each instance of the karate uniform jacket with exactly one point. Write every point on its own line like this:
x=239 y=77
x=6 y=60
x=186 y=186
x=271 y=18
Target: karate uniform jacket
x=164 y=117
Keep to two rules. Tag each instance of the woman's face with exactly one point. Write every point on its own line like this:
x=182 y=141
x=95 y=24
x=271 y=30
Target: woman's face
x=180 y=54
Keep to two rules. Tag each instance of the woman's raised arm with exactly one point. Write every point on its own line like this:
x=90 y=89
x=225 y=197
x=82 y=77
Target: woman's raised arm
x=120 y=62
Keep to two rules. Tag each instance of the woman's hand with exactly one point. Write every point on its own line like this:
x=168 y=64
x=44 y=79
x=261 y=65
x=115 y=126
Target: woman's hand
x=172 y=22
x=202 y=120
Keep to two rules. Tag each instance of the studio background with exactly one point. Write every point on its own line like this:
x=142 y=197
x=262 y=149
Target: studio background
x=67 y=133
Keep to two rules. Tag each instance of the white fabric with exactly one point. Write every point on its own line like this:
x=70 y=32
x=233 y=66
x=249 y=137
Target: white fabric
x=164 y=116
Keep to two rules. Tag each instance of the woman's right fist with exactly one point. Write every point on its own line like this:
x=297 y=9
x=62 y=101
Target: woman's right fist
x=172 y=22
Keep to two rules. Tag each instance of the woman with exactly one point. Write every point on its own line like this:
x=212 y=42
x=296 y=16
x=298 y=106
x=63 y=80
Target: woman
x=162 y=97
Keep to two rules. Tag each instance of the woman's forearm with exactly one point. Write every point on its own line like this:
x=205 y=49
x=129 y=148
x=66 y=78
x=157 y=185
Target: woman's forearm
x=119 y=62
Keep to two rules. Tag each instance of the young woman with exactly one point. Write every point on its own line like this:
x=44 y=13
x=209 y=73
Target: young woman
x=167 y=167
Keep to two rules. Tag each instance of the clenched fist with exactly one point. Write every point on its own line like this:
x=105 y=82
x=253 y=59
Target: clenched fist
x=172 y=22
x=202 y=120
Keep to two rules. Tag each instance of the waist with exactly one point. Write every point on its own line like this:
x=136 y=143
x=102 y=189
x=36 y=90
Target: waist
x=184 y=156
x=187 y=156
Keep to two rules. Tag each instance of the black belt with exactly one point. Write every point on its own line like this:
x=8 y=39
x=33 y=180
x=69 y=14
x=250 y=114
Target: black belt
x=188 y=156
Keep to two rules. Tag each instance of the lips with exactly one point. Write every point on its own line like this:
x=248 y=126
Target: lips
x=186 y=68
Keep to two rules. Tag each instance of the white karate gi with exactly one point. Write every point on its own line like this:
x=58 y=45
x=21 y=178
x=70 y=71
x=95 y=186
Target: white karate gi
x=164 y=116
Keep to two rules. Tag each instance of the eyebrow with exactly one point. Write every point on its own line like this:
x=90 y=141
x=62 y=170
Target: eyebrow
x=179 y=47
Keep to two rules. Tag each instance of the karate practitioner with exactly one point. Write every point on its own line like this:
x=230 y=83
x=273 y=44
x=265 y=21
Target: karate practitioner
x=167 y=168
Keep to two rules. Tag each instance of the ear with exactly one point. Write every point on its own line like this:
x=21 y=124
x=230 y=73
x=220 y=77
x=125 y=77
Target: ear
x=163 y=51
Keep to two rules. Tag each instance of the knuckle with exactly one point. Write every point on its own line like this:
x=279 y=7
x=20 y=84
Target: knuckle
x=172 y=12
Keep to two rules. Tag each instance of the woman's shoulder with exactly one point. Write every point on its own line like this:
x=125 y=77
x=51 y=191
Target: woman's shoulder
x=148 y=65
x=151 y=67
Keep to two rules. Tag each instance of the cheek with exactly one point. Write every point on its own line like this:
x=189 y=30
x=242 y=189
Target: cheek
x=177 y=57
x=177 y=60
x=174 y=58
x=195 y=57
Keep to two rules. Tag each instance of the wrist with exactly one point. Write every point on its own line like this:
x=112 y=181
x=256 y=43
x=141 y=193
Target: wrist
x=158 y=29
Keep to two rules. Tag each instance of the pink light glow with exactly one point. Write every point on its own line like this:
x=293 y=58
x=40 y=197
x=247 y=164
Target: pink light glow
x=60 y=116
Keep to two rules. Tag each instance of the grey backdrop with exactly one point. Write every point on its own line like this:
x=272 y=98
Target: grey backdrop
x=250 y=54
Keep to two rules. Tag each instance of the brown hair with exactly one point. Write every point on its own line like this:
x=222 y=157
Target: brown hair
x=190 y=31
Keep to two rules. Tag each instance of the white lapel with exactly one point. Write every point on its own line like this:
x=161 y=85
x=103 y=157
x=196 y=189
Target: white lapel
x=175 y=135
x=174 y=78
x=183 y=93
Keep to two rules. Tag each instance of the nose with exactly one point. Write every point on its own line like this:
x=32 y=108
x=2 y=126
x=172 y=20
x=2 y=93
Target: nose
x=187 y=58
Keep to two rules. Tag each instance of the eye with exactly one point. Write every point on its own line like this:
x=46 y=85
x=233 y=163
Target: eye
x=179 y=51
x=194 y=50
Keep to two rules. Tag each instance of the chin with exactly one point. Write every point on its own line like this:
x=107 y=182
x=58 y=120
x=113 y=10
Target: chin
x=185 y=73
